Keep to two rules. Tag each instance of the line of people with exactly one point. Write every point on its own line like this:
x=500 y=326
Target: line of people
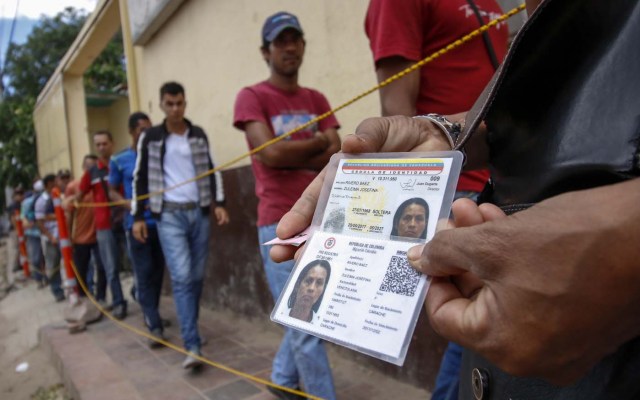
x=173 y=227
x=41 y=237
x=575 y=251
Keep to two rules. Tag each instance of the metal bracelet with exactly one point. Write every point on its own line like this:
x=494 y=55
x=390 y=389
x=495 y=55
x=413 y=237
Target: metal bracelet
x=451 y=130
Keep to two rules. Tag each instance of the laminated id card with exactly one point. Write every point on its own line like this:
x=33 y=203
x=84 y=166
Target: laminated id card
x=353 y=284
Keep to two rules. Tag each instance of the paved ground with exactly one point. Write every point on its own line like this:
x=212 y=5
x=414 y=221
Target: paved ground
x=22 y=312
x=109 y=362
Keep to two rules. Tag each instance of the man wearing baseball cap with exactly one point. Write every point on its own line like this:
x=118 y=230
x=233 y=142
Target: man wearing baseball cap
x=282 y=171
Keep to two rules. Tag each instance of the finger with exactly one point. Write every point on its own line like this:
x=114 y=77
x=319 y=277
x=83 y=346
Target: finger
x=466 y=213
x=491 y=212
x=395 y=134
x=138 y=235
x=440 y=257
x=468 y=284
x=301 y=214
x=415 y=253
x=457 y=251
x=370 y=136
x=280 y=253
x=453 y=252
x=452 y=315
x=414 y=256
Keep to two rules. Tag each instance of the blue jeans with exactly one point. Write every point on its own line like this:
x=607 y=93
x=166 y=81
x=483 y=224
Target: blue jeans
x=448 y=379
x=52 y=257
x=184 y=236
x=96 y=277
x=109 y=255
x=301 y=356
x=148 y=268
x=34 y=254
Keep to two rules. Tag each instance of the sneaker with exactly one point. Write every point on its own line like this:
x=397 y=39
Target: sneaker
x=60 y=297
x=120 y=311
x=191 y=362
x=165 y=322
x=158 y=334
x=282 y=395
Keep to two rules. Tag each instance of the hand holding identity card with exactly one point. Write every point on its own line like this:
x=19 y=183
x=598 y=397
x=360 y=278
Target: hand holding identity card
x=353 y=284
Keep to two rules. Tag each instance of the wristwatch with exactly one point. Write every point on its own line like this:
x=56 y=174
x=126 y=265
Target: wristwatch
x=451 y=130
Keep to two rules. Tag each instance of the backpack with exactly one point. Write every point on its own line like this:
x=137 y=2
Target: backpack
x=31 y=211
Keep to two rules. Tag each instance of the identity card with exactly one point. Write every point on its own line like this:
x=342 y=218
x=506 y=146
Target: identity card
x=353 y=284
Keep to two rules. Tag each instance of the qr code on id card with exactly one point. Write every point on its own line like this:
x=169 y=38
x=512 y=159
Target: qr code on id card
x=400 y=277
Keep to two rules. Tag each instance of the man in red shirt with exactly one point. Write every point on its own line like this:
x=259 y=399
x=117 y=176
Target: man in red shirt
x=96 y=181
x=282 y=172
x=81 y=224
x=402 y=33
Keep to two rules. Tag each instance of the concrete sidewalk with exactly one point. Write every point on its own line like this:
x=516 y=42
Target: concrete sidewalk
x=109 y=362
x=23 y=311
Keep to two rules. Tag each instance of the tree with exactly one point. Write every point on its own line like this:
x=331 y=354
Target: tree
x=108 y=70
x=17 y=142
x=29 y=65
x=28 y=68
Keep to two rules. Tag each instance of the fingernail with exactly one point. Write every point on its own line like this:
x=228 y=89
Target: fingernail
x=414 y=253
x=356 y=136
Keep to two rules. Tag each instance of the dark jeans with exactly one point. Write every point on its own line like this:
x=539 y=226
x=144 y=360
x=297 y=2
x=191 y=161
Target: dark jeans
x=82 y=259
x=148 y=267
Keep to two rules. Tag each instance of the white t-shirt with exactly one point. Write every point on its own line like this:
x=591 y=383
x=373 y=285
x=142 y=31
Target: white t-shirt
x=40 y=209
x=178 y=167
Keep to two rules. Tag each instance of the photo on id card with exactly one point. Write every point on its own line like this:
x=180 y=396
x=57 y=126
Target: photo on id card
x=353 y=284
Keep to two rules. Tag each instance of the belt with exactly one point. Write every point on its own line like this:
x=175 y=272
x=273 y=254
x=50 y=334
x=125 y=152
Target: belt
x=170 y=205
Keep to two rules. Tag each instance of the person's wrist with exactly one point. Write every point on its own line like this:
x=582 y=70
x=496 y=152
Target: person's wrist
x=450 y=129
x=321 y=140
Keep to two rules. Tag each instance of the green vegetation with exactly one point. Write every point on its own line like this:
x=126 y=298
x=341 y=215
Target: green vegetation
x=28 y=68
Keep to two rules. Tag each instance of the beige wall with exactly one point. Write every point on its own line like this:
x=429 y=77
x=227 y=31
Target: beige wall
x=97 y=119
x=212 y=48
x=113 y=119
x=60 y=117
x=118 y=114
x=51 y=124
